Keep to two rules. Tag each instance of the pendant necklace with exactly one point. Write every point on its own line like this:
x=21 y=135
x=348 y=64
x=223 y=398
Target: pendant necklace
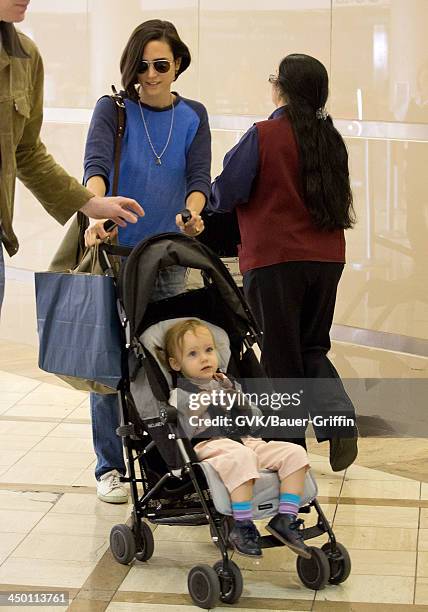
x=158 y=156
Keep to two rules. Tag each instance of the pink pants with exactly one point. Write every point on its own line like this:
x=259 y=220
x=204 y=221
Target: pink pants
x=237 y=463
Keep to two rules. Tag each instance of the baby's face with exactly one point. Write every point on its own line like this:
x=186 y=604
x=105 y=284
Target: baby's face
x=198 y=358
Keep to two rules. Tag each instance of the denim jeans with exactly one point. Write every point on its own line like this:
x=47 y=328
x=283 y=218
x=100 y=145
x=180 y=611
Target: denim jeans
x=105 y=408
x=1 y=274
x=107 y=445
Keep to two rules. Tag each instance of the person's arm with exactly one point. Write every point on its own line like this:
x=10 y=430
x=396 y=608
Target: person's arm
x=240 y=168
x=59 y=193
x=195 y=203
x=97 y=185
x=100 y=142
x=96 y=232
x=198 y=178
x=99 y=159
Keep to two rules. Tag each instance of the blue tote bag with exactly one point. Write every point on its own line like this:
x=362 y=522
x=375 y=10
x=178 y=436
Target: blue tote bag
x=80 y=335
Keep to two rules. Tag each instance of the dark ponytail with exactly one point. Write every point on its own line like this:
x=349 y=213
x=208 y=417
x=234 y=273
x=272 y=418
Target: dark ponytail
x=303 y=83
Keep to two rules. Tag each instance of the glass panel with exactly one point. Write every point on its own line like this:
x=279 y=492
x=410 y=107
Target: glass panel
x=380 y=60
x=241 y=43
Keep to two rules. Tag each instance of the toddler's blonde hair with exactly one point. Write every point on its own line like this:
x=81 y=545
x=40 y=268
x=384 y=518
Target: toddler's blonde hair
x=173 y=341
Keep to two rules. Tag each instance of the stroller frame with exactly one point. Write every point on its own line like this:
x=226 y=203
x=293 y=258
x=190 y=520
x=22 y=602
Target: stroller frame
x=206 y=585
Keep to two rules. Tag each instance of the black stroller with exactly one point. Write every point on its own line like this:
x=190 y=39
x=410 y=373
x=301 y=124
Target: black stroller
x=174 y=488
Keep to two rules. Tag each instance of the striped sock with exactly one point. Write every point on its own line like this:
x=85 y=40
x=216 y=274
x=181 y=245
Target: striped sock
x=242 y=511
x=289 y=503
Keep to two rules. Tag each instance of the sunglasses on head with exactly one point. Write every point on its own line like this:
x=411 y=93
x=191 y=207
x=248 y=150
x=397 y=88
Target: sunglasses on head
x=160 y=65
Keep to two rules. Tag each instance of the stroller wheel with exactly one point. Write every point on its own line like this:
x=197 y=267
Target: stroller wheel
x=340 y=566
x=146 y=544
x=226 y=527
x=122 y=544
x=204 y=586
x=230 y=587
x=314 y=572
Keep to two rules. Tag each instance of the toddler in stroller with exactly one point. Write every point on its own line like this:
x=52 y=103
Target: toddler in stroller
x=178 y=488
x=190 y=349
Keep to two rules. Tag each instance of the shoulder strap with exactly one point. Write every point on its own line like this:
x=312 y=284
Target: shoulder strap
x=121 y=118
x=187 y=385
x=82 y=220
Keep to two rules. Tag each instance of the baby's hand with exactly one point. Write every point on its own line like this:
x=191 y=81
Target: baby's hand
x=219 y=376
x=222 y=378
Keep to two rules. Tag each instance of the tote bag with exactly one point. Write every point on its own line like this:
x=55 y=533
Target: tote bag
x=77 y=320
x=80 y=334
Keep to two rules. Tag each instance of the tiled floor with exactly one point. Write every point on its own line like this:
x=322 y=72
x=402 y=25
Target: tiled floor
x=54 y=533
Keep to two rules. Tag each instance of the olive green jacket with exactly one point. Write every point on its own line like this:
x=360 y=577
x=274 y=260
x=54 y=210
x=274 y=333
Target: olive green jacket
x=22 y=154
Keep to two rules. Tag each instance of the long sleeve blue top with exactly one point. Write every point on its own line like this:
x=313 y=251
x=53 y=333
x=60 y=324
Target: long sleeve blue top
x=162 y=189
x=240 y=169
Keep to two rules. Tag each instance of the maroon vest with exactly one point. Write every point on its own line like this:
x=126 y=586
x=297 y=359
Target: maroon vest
x=275 y=224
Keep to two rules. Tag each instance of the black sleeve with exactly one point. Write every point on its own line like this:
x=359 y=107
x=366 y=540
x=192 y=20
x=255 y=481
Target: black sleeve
x=198 y=167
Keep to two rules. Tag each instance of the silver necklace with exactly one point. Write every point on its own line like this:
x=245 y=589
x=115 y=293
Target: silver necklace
x=158 y=156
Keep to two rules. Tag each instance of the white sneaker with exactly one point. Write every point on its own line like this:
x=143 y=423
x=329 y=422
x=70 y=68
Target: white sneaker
x=110 y=489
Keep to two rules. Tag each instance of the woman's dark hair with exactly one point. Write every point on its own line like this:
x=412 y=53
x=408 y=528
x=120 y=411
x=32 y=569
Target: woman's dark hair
x=155 y=29
x=303 y=84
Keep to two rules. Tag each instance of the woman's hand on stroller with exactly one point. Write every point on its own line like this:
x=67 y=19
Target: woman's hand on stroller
x=96 y=232
x=190 y=222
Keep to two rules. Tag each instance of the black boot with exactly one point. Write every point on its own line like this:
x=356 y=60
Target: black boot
x=245 y=539
x=343 y=452
x=285 y=527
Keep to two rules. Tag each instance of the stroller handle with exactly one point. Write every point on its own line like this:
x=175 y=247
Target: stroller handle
x=186 y=215
x=109 y=225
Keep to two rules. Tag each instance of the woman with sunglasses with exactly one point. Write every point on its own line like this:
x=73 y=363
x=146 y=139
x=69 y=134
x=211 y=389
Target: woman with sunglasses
x=288 y=178
x=165 y=159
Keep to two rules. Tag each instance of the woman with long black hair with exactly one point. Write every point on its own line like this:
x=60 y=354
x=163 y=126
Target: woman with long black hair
x=288 y=178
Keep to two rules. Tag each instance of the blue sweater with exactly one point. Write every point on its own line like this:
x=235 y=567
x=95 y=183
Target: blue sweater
x=160 y=189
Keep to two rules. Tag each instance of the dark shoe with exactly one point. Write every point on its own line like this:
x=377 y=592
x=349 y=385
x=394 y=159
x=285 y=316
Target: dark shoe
x=285 y=527
x=245 y=539
x=343 y=452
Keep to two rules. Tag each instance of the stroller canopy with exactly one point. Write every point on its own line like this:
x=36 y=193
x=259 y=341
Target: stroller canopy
x=139 y=272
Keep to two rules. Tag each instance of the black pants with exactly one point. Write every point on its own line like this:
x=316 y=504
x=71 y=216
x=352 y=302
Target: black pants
x=293 y=303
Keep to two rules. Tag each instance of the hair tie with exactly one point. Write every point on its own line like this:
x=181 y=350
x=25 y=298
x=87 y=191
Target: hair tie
x=321 y=113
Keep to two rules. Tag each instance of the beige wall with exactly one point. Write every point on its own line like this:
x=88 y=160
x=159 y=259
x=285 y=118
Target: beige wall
x=377 y=55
